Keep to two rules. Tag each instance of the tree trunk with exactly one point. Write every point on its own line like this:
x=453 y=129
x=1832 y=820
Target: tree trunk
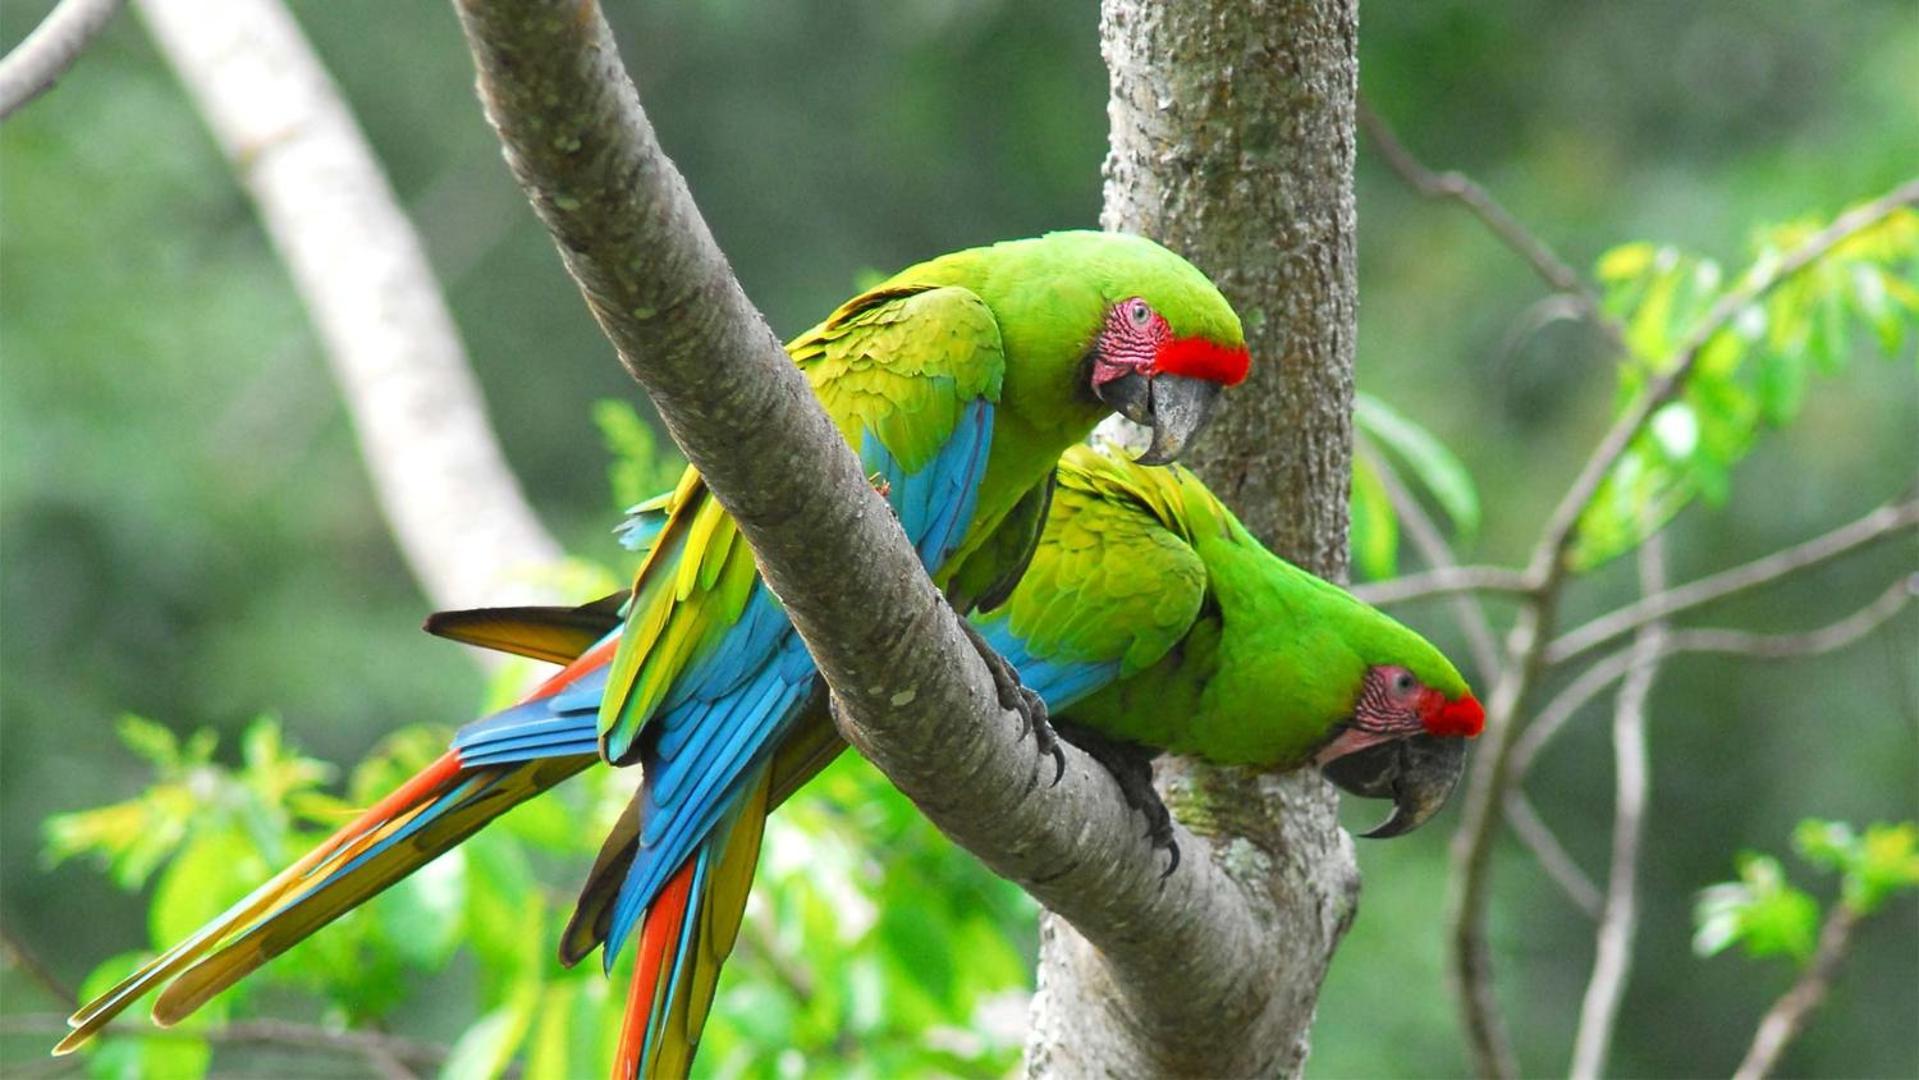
x=1232 y=143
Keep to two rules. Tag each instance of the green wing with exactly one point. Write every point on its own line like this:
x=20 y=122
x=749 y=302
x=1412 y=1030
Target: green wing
x=1113 y=587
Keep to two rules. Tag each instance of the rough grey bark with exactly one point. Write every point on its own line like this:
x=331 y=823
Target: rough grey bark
x=1232 y=143
x=1187 y=955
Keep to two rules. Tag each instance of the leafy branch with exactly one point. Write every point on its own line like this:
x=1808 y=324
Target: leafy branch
x=1765 y=915
x=1701 y=369
x=1546 y=575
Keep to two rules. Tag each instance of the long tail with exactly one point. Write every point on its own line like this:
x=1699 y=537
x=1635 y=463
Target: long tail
x=494 y=766
x=689 y=929
x=685 y=937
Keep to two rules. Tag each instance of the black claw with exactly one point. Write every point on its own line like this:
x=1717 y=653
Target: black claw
x=1132 y=768
x=1016 y=698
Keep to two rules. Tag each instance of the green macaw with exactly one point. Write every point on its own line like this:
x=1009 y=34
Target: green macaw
x=1150 y=620
x=958 y=382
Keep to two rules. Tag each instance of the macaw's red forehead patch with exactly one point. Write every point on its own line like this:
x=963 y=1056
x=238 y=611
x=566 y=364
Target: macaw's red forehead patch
x=1197 y=358
x=1464 y=717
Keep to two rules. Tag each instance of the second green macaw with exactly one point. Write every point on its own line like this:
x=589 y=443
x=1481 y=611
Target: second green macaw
x=958 y=382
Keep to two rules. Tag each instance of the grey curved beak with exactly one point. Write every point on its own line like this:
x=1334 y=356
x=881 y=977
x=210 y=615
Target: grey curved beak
x=1175 y=407
x=1417 y=773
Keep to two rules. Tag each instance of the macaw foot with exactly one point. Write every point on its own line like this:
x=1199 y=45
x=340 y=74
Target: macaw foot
x=1132 y=766
x=1015 y=697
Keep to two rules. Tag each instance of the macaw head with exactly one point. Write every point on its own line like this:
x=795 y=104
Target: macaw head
x=1100 y=322
x=1147 y=371
x=1406 y=738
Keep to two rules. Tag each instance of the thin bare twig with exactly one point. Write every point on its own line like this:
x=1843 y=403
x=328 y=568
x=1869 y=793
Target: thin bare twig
x=1454 y=185
x=372 y=1045
x=43 y=56
x=1444 y=581
x=1553 y=857
x=1787 y=1017
x=1619 y=918
x=1470 y=965
x=1604 y=673
x=1878 y=525
x=22 y=956
x=1438 y=554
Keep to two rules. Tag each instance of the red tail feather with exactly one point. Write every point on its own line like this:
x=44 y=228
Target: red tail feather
x=659 y=934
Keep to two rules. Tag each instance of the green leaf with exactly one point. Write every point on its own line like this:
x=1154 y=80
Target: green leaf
x=639 y=467
x=1375 y=529
x=421 y=919
x=1832 y=337
x=487 y=1047
x=1829 y=845
x=1762 y=912
x=150 y=740
x=1888 y=864
x=1875 y=302
x=1625 y=262
x=172 y=1055
x=1438 y=471
x=217 y=867
x=1782 y=386
x=548 y=1056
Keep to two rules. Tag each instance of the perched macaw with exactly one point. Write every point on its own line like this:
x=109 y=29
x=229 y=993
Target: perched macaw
x=958 y=382
x=1150 y=620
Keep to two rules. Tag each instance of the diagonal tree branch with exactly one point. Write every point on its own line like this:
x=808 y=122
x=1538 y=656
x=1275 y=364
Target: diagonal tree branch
x=1882 y=523
x=1470 y=956
x=1595 y=679
x=914 y=696
x=1787 y=1017
x=55 y=45
x=1553 y=857
x=1454 y=185
x=457 y=510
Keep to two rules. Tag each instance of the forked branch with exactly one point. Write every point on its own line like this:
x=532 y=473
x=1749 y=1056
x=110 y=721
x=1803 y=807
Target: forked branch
x=915 y=698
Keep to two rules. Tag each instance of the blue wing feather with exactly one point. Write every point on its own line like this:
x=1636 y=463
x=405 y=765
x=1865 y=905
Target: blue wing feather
x=730 y=709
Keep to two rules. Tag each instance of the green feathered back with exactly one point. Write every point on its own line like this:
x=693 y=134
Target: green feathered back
x=1226 y=650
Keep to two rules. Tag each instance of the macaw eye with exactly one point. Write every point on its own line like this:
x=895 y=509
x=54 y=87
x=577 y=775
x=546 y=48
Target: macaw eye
x=1138 y=311
x=1403 y=683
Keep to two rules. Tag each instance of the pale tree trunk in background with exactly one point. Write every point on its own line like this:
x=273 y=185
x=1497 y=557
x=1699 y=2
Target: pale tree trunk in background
x=451 y=502
x=1232 y=143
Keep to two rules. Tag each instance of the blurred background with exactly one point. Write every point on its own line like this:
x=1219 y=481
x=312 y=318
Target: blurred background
x=187 y=534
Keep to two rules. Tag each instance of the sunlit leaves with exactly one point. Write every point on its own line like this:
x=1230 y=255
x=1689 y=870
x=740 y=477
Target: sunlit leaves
x=1762 y=912
x=640 y=467
x=1873 y=866
x=870 y=941
x=1755 y=372
x=1766 y=915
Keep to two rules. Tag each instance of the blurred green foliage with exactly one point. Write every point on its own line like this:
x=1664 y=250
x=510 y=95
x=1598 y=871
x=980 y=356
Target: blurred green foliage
x=888 y=960
x=187 y=533
x=1751 y=374
x=1765 y=915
